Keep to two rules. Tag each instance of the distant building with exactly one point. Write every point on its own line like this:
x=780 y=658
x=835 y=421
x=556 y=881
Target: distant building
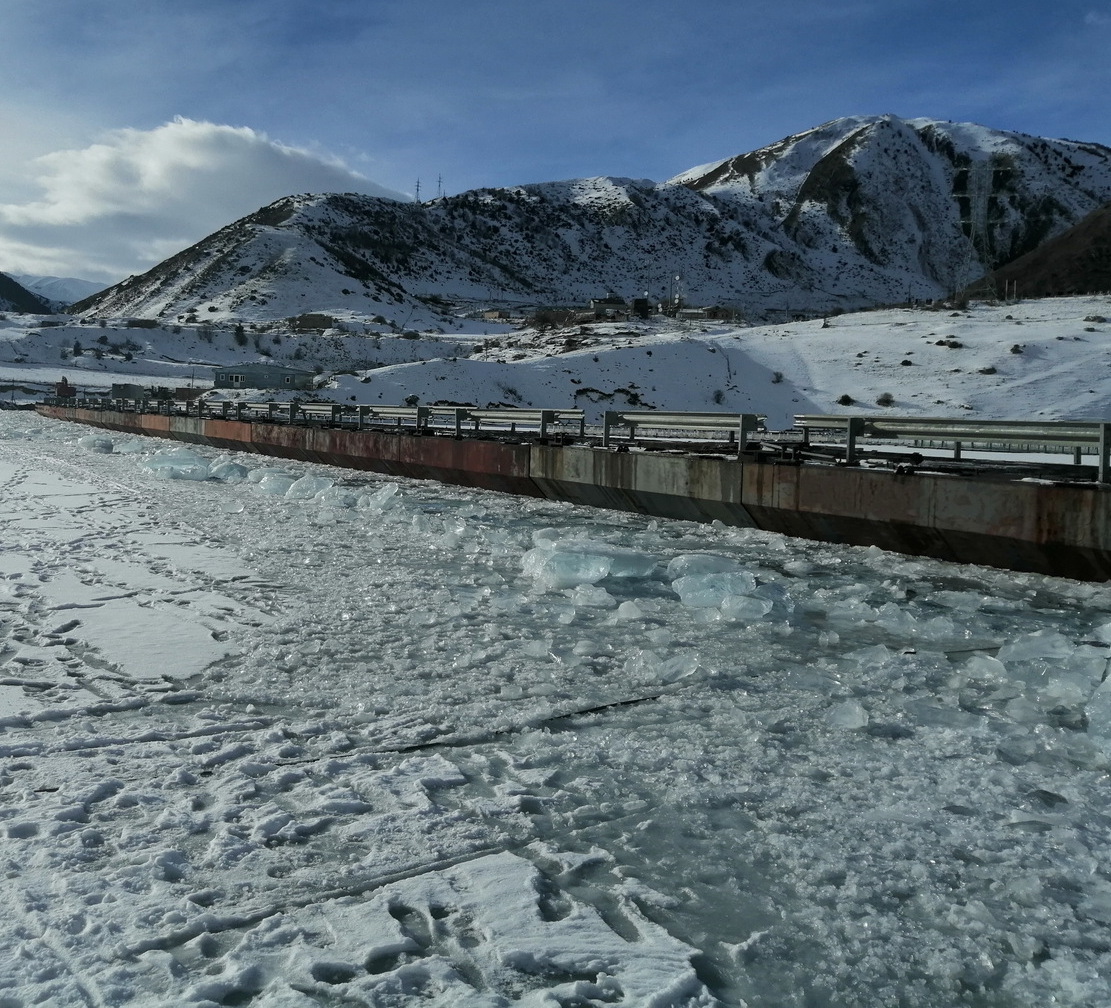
x=126 y=390
x=261 y=376
x=312 y=322
x=711 y=312
x=609 y=306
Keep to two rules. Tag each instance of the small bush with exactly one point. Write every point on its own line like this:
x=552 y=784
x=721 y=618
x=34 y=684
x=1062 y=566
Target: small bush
x=846 y=400
x=777 y=377
x=885 y=399
x=1017 y=348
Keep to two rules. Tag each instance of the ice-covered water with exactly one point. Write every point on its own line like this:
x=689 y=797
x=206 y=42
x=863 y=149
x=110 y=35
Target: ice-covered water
x=280 y=734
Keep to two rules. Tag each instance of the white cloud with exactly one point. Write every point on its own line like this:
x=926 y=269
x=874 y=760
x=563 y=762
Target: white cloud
x=121 y=205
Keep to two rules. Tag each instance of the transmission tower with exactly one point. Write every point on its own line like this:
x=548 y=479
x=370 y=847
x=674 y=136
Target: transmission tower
x=978 y=208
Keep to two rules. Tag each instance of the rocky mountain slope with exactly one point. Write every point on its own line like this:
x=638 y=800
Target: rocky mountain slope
x=15 y=297
x=854 y=213
x=1075 y=262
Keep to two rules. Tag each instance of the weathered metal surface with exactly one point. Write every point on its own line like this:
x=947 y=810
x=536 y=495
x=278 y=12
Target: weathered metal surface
x=1058 y=529
x=369 y=450
x=234 y=435
x=153 y=423
x=489 y=465
x=190 y=429
x=670 y=486
x=1045 y=528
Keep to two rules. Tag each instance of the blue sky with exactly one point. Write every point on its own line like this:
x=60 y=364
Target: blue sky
x=204 y=110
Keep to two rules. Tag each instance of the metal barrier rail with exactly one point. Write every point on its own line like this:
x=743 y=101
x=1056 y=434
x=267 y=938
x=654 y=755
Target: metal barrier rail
x=622 y=428
x=419 y=419
x=1016 y=434
x=739 y=426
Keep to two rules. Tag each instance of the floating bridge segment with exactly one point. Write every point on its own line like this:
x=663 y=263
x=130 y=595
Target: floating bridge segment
x=853 y=480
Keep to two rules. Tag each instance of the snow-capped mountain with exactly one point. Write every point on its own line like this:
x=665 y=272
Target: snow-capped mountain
x=856 y=212
x=15 y=297
x=61 y=291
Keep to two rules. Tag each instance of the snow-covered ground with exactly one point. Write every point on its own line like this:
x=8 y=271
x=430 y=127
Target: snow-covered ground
x=289 y=735
x=1035 y=359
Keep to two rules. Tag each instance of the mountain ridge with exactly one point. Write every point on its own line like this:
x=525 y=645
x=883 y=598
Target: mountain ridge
x=855 y=212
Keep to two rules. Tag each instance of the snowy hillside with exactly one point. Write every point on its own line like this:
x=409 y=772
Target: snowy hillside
x=855 y=213
x=1030 y=359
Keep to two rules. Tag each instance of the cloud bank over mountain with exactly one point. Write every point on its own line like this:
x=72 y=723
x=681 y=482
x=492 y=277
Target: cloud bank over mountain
x=127 y=202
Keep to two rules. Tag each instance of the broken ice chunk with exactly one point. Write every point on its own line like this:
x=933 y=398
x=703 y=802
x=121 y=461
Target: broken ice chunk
x=179 y=464
x=848 y=715
x=308 y=487
x=708 y=591
x=553 y=568
x=694 y=564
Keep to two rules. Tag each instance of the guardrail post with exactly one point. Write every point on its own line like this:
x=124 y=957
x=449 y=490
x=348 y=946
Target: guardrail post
x=609 y=421
x=423 y=416
x=460 y=416
x=239 y=411
x=750 y=424
x=362 y=415
x=853 y=429
x=1104 y=453
x=547 y=416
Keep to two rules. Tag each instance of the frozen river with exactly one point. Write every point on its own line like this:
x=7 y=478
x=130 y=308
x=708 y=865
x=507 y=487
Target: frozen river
x=291 y=736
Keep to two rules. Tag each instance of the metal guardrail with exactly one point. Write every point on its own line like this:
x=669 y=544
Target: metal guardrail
x=1014 y=434
x=739 y=427
x=622 y=428
x=419 y=419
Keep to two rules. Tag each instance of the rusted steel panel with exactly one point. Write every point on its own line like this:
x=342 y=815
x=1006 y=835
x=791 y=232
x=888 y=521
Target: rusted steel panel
x=373 y=451
x=279 y=440
x=153 y=423
x=490 y=465
x=234 y=435
x=1080 y=515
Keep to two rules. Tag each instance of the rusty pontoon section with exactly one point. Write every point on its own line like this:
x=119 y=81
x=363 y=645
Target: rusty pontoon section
x=862 y=488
